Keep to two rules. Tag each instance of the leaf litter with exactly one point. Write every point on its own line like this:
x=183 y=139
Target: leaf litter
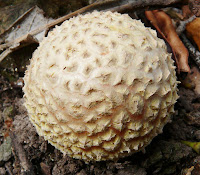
x=163 y=24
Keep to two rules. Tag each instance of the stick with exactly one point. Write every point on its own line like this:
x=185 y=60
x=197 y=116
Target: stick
x=194 y=53
x=8 y=169
x=132 y=4
x=183 y=24
x=5 y=53
x=18 y=19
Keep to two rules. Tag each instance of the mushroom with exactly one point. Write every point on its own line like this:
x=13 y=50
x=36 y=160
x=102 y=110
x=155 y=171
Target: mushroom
x=101 y=86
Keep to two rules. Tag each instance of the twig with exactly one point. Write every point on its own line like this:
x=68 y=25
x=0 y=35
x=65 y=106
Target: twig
x=132 y=4
x=27 y=39
x=20 y=152
x=194 y=53
x=5 y=53
x=8 y=169
x=183 y=24
x=18 y=19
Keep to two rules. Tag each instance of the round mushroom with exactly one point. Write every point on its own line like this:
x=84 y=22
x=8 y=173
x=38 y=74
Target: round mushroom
x=101 y=86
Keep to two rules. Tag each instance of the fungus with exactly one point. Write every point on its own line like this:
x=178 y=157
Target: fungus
x=107 y=92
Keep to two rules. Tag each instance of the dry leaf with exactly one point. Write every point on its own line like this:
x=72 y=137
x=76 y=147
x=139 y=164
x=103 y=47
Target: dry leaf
x=30 y=21
x=163 y=24
x=10 y=11
x=193 y=31
x=18 y=35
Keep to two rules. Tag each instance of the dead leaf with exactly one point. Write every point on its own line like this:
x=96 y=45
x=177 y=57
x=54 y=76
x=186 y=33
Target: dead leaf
x=18 y=36
x=193 y=31
x=29 y=21
x=10 y=11
x=163 y=24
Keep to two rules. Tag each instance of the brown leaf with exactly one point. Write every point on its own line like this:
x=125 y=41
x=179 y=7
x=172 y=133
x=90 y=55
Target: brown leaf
x=193 y=31
x=163 y=24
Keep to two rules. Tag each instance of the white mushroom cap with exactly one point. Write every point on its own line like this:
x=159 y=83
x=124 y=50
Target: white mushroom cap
x=100 y=86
